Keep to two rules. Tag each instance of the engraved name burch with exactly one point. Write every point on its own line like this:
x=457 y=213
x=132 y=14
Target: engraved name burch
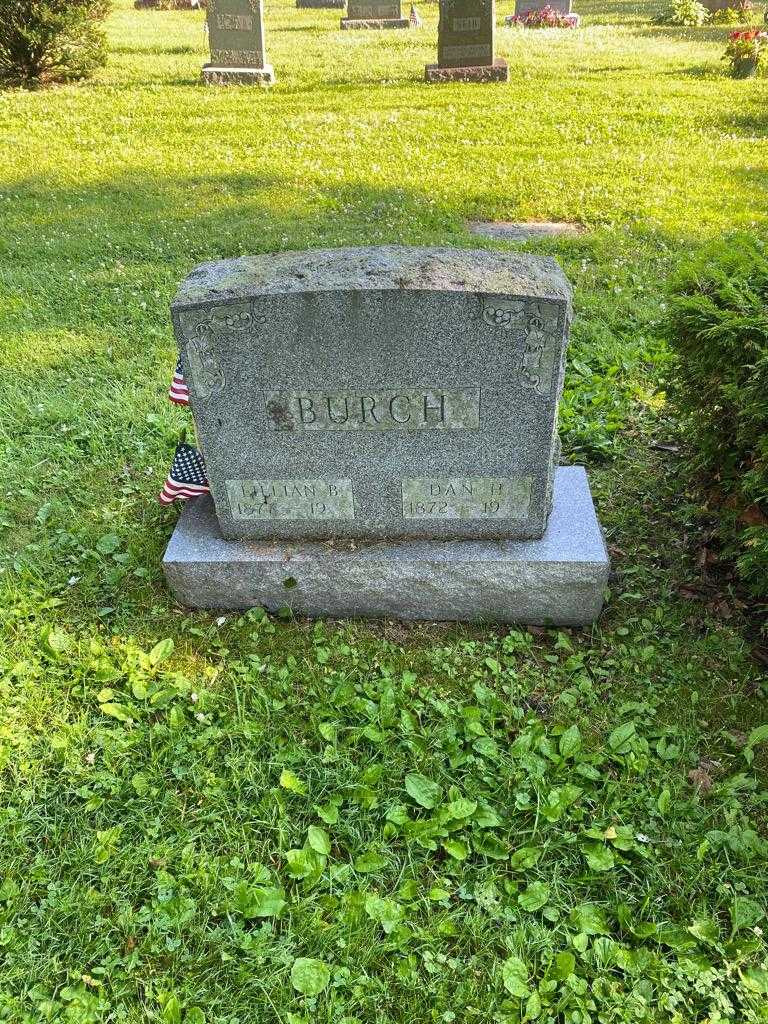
x=404 y=409
x=234 y=22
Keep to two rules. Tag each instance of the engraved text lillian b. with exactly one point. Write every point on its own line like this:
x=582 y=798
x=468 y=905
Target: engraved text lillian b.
x=291 y=499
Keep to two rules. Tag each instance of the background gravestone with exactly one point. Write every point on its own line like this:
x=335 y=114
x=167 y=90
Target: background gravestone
x=367 y=14
x=465 y=44
x=522 y=7
x=333 y=4
x=379 y=428
x=170 y=5
x=236 y=34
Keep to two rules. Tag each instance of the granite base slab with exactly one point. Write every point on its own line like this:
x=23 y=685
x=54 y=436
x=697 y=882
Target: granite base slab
x=559 y=579
x=238 y=76
x=352 y=23
x=496 y=72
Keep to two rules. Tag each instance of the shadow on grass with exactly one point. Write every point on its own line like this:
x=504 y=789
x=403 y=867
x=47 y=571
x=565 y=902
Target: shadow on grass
x=185 y=83
x=755 y=180
x=157 y=51
x=317 y=30
x=285 y=87
x=626 y=14
x=704 y=34
x=98 y=241
x=159 y=226
x=707 y=72
x=751 y=125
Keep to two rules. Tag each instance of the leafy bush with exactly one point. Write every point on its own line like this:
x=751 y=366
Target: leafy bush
x=45 y=41
x=718 y=324
x=684 y=12
x=728 y=16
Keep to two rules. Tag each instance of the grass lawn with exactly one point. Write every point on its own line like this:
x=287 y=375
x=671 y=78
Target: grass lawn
x=254 y=819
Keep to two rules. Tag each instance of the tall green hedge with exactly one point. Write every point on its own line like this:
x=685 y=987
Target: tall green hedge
x=47 y=41
x=718 y=325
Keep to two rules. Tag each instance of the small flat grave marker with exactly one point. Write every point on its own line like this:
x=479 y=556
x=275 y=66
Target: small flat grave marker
x=522 y=231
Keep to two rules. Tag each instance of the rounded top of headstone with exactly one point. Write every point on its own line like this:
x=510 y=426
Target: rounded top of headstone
x=376 y=268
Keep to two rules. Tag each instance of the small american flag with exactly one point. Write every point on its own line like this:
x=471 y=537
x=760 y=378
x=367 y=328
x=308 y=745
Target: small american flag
x=178 y=391
x=187 y=477
x=414 y=19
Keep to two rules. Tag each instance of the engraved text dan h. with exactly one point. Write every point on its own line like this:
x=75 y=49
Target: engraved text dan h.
x=391 y=409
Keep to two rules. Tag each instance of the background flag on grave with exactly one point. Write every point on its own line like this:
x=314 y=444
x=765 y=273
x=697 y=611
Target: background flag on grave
x=187 y=477
x=178 y=391
x=415 y=18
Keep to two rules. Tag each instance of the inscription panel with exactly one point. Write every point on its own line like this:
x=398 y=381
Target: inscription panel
x=480 y=53
x=236 y=58
x=472 y=497
x=391 y=409
x=291 y=499
x=234 y=22
x=366 y=11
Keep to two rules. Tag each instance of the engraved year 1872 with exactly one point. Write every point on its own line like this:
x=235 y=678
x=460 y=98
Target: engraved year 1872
x=466 y=497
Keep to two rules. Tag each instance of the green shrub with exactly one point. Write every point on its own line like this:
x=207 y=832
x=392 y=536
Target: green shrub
x=684 y=12
x=46 y=41
x=718 y=325
x=728 y=16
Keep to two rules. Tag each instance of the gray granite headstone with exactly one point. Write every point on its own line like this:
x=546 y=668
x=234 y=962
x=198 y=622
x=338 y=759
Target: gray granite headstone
x=236 y=34
x=522 y=7
x=465 y=43
x=374 y=14
x=380 y=432
x=377 y=393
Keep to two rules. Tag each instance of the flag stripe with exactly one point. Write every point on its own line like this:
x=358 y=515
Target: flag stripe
x=168 y=496
x=187 y=478
x=178 y=391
